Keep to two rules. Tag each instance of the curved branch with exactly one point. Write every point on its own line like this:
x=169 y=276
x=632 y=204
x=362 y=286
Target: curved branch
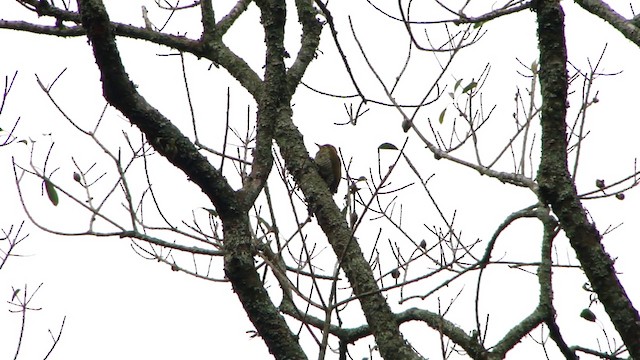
x=311 y=29
x=225 y=23
x=602 y=10
x=161 y=133
x=182 y=153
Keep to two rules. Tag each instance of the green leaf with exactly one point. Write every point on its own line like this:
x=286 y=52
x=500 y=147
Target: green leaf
x=265 y=224
x=51 y=192
x=441 y=118
x=211 y=212
x=387 y=146
x=457 y=85
x=588 y=315
x=469 y=87
x=343 y=212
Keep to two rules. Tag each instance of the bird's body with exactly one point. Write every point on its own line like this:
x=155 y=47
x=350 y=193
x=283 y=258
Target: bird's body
x=329 y=166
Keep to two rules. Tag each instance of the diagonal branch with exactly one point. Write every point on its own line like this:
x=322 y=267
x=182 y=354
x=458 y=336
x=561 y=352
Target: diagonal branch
x=556 y=187
x=181 y=152
x=602 y=10
x=165 y=137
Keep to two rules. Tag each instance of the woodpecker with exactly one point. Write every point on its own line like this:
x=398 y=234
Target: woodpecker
x=329 y=166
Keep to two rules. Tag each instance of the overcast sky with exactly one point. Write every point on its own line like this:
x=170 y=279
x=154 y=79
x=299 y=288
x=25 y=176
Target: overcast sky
x=119 y=305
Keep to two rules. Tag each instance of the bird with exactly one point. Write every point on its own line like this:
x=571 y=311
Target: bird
x=329 y=166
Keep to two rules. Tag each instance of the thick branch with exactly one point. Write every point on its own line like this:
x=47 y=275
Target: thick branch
x=165 y=137
x=377 y=311
x=239 y=266
x=276 y=101
x=310 y=41
x=472 y=346
x=602 y=10
x=211 y=48
x=169 y=142
x=556 y=187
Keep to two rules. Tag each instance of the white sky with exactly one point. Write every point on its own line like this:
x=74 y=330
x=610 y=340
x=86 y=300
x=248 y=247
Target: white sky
x=118 y=305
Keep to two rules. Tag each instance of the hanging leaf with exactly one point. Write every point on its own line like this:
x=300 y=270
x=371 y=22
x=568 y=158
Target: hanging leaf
x=51 y=192
x=387 y=146
x=457 y=85
x=588 y=315
x=469 y=87
x=406 y=125
x=211 y=212
x=344 y=211
x=353 y=218
x=265 y=224
x=441 y=118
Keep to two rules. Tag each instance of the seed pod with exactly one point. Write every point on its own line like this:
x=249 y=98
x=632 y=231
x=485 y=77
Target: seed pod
x=395 y=273
x=406 y=125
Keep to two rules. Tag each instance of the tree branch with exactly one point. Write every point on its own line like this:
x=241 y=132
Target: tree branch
x=556 y=187
x=602 y=10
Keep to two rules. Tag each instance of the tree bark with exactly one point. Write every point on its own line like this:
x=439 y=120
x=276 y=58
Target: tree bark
x=556 y=186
